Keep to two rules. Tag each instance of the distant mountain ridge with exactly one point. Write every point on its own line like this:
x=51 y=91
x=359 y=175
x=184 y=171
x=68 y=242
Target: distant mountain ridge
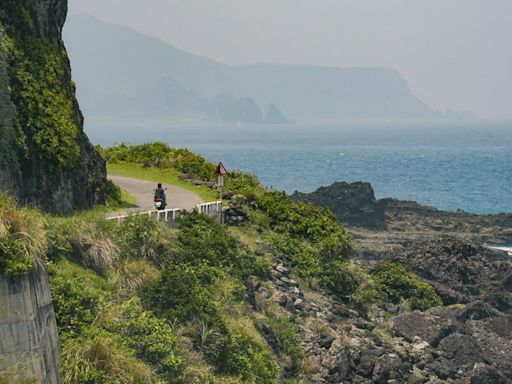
x=123 y=73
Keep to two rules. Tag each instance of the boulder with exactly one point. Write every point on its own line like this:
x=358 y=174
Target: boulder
x=353 y=204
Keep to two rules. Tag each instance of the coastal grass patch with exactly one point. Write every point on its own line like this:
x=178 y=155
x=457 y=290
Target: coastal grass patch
x=163 y=175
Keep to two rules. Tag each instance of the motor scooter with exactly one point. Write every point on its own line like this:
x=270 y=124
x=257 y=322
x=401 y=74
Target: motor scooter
x=159 y=204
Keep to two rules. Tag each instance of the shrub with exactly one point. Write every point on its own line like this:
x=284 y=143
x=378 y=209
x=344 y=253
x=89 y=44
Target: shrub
x=23 y=238
x=154 y=341
x=338 y=278
x=189 y=163
x=300 y=219
x=310 y=236
x=397 y=284
x=246 y=357
x=303 y=257
x=246 y=184
x=184 y=292
x=201 y=239
x=284 y=339
x=77 y=294
x=114 y=194
x=160 y=155
x=143 y=237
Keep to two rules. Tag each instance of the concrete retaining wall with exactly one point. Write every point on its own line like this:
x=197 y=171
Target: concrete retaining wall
x=29 y=343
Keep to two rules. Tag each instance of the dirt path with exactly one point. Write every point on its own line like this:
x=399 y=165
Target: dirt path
x=142 y=191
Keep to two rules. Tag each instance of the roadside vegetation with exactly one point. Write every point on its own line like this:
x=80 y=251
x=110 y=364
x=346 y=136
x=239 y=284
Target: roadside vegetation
x=160 y=163
x=142 y=302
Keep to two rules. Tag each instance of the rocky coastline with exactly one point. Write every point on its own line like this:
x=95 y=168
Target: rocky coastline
x=380 y=225
x=469 y=339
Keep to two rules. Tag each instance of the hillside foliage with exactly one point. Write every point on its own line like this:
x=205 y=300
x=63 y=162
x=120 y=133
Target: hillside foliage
x=143 y=302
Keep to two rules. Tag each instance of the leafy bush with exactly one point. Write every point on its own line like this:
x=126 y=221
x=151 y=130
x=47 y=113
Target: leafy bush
x=114 y=194
x=300 y=219
x=284 y=339
x=201 y=239
x=185 y=292
x=23 y=239
x=77 y=294
x=304 y=258
x=246 y=357
x=160 y=155
x=246 y=184
x=397 y=284
x=154 y=341
x=310 y=236
x=338 y=278
x=142 y=237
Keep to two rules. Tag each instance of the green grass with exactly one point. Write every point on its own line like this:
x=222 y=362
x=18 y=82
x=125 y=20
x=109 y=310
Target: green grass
x=128 y=201
x=166 y=176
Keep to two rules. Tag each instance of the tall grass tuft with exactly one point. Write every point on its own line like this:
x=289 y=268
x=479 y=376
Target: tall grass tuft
x=23 y=239
x=99 y=357
x=89 y=239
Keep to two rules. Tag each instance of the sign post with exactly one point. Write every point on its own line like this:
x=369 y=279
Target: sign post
x=220 y=172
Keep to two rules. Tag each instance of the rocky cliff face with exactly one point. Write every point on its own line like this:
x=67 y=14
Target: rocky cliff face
x=45 y=157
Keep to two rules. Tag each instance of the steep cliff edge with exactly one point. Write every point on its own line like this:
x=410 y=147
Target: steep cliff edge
x=45 y=157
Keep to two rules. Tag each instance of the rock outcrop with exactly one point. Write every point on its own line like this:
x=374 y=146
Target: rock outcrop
x=353 y=204
x=463 y=343
x=460 y=271
x=45 y=157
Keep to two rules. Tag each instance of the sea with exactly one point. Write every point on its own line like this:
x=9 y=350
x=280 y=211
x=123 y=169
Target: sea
x=447 y=165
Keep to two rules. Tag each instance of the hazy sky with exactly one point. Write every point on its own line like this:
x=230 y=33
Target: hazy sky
x=455 y=54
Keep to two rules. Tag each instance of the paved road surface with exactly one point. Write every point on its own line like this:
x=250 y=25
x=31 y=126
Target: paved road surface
x=142 y=191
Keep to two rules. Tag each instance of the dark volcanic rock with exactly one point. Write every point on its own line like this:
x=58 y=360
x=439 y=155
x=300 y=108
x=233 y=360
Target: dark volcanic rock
x=354 y=204
x=463 y=349
x=460 y=266
x=45 y=157
x=431 y=326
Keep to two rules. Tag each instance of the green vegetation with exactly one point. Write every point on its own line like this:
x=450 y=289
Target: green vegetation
x=313 y=239
x=285 y=340
x=77 y=294
x=163 y=175
x=132 y=299
x=142 y=302
x=43 y=103
x=203 y=284
x=160 y=155
x=397 y=284
x=23 y=240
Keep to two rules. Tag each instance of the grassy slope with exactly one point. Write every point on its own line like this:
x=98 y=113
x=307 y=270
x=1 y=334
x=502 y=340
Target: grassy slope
x=168 y=176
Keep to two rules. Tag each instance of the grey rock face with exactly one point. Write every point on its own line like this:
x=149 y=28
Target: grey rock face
x=59 y=189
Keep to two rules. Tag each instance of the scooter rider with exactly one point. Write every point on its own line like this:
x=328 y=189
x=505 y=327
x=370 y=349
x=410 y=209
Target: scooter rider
x=160 y=193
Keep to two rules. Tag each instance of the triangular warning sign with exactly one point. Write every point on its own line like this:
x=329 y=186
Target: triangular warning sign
x=221 y=170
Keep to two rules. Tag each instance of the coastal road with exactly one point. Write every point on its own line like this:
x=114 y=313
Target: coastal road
x=142 y=191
